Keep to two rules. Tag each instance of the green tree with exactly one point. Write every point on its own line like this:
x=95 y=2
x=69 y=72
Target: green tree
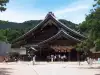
x=91 y=26
x=8 y=35
x=97 y=45
x=3 y=4
x=2 y=36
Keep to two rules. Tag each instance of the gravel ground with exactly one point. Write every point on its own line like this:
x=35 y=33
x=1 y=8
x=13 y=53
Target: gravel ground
x=51 y=68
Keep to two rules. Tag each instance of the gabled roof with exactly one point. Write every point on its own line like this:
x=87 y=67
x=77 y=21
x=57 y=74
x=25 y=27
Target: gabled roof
x=51 y=16
x=61 y=33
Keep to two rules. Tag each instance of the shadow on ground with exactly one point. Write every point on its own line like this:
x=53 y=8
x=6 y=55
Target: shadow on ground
x=5 y=71
x=89 y=67
x=80 y=67
x=97 y=74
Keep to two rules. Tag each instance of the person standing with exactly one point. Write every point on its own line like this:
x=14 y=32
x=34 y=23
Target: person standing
x=59 y=57
x=62 y=58
x=65 y=57
x=52 y=56
x=88 y=60
x=34 y=59
x=55 y=58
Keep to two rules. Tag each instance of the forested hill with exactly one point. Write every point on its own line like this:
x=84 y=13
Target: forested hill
x=30 y=24
x=14 y=25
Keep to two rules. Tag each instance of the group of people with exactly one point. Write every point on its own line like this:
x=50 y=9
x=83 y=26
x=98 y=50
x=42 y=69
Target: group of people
x=56 y=58
x=89 y=60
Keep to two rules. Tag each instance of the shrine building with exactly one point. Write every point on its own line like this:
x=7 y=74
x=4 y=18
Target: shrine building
x=51 y=36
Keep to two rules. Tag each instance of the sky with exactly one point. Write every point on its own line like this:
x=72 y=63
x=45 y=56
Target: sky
x=23 y=10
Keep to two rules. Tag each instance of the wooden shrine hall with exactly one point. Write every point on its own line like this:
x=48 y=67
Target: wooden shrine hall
x=51 y=36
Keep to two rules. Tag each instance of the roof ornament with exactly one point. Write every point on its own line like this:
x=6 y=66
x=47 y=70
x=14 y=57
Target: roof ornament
x=50 y=13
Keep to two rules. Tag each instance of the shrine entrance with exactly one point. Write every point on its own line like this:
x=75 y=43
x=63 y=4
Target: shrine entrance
x=68 y=51
x=44 y=54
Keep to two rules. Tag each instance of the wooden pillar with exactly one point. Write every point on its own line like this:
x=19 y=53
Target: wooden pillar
x=40 y=51
x=69 y=56
x=77 y=56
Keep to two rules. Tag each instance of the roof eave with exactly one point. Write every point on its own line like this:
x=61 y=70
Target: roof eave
x=60 y=33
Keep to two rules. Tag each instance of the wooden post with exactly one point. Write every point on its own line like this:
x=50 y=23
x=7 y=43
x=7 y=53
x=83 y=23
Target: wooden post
x=69 y=56
x=40 y=51
x=40 y=58
x=77 y=56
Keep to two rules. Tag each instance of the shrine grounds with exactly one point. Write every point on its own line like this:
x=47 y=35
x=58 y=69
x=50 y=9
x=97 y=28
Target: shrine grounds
x=49 y=68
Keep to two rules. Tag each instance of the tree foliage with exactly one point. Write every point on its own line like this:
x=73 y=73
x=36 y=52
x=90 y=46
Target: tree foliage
x=3 y=4
x=91 y=26
x=8 y=35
